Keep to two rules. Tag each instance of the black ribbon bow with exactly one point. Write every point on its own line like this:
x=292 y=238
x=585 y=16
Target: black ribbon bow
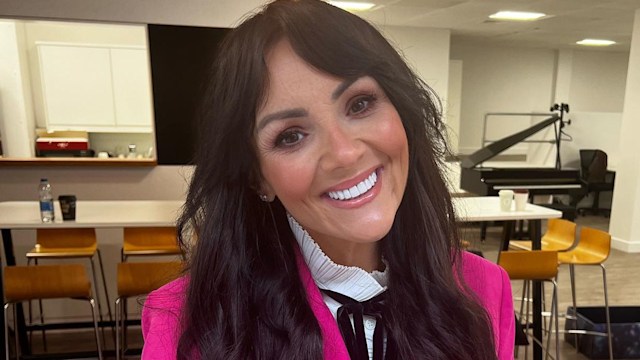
x=353 y=336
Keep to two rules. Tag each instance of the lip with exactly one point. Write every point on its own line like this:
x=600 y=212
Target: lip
x=354 y=181
x=360 y=200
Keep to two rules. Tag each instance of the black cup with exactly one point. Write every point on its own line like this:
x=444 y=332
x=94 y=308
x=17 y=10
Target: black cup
x=68 y=206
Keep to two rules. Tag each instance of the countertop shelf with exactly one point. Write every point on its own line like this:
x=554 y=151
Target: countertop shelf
x=61 y=161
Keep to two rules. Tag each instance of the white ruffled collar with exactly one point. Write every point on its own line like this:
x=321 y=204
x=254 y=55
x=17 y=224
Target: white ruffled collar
x=347 y=280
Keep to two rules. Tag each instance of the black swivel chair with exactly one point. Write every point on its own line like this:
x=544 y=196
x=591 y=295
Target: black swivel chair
x=593 y=174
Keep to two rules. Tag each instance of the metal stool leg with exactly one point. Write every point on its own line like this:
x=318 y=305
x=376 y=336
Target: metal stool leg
x=95 y=327
x=607 y=313
x=118 y=328
x=573 y=299
x=6 y=331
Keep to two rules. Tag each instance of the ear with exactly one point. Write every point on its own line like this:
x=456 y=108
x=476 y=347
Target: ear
x=266 y=192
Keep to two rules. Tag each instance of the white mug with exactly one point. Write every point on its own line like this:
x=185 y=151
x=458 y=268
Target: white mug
x=506 y=197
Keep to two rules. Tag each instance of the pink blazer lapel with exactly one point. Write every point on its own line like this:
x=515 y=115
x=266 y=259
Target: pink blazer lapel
x=333 y=345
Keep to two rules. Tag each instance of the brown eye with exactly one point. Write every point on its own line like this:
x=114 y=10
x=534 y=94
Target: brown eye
x=361 y=104
x=289 y=138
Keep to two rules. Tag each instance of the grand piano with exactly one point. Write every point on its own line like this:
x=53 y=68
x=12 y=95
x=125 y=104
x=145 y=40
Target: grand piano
x=481 y=180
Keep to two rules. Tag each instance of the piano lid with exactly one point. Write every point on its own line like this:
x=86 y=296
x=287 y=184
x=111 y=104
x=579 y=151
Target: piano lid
x=503 y=144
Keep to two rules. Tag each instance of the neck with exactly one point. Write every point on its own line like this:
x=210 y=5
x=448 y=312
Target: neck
x=363 y=255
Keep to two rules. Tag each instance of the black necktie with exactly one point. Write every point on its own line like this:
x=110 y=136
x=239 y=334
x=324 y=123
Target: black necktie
x=353 y=336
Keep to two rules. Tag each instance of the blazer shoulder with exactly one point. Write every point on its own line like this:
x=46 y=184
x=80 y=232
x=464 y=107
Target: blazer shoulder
x=161 y=320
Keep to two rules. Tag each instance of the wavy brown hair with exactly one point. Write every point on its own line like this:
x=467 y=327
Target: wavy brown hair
x=245 y=299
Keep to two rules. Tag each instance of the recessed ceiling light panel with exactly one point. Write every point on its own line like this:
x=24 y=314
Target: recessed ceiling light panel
x=595 y=42
x=516 y=15
x=352 y=5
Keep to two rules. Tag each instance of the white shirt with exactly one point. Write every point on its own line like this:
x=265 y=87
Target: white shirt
x=351 y=281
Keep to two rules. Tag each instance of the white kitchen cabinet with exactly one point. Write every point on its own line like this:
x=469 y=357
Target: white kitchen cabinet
x=95 y=88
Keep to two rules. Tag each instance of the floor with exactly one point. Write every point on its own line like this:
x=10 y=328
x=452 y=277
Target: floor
x=622 y=272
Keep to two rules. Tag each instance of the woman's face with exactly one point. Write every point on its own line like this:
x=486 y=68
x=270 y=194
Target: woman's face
x=333 y=151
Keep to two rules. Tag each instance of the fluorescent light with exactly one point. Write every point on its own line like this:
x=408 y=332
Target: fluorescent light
x=595 y=42
x=516 y=15
x=352 y=5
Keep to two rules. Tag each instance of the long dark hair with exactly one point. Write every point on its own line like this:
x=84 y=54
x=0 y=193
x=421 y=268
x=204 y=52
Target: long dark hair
x=245 y=299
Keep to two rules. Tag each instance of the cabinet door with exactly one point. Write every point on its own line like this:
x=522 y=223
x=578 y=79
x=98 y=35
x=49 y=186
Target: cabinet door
x=131 y=88
x=76 y=84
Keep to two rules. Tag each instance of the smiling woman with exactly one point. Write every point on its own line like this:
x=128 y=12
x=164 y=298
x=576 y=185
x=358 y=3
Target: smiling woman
x=324 y=227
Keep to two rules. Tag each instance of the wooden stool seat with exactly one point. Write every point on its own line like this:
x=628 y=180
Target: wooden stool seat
x=141 y=278
x=136 y=279
x=40 y=251
x=560 y=236
x=536 y=265
x=23 y=283
x=150 y=241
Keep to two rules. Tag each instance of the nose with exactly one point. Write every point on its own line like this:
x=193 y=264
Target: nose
x=342 y=147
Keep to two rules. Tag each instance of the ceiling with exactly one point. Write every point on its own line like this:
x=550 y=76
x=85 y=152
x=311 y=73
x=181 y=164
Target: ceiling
x=567 y=21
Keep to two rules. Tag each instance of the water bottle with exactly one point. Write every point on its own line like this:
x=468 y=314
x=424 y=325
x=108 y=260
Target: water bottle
x=46 y=201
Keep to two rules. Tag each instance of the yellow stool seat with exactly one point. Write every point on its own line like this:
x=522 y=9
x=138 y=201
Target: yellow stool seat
x=40 y=251
x=593 y=249
x=560 y=236
x=45 y=282
x=150 y=241
x=536 y=265
x=25 y=283
x=141 y=278
x=135 y=279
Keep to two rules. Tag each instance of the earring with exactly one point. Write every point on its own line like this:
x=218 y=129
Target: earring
x=264 y=197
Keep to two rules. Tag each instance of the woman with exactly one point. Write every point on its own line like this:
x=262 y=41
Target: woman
x=324 y=226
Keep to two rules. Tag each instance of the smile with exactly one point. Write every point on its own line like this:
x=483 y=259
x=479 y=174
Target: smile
x=357 y=190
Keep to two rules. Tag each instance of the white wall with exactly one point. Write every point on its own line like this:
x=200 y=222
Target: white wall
x=498 y=79
x=427 y=51
x=529 y=80
x=598 y=81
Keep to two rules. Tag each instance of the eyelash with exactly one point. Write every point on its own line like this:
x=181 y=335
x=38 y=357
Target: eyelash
x=370 y=100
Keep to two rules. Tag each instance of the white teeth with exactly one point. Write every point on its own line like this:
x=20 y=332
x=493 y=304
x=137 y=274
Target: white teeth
x=356 y=190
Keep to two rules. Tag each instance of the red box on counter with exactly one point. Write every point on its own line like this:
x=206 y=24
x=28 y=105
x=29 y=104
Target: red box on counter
x=60 y=143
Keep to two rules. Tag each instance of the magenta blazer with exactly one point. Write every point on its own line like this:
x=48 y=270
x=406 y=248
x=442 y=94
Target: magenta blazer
x=162 y=311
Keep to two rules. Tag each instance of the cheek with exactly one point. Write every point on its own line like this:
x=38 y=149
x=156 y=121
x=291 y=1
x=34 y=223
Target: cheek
x=393 y=140
x=290 y=179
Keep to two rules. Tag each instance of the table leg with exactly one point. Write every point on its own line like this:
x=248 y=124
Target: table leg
x=536 y=231
x=507 y=234
x=7 y=243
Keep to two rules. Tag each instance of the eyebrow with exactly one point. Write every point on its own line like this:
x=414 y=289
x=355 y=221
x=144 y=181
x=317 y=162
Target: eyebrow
x=281 y=115
x=299 y=112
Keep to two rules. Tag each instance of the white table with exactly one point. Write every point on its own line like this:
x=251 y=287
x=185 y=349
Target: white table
x=93 y=214
x=487 y=208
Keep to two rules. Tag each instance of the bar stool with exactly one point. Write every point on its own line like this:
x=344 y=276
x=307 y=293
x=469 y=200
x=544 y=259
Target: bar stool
x=560 y=236
x=536 y=265
x=70 y=243
x=25 y=283
x=136 y=279
x=593 y=249
x=146 y=241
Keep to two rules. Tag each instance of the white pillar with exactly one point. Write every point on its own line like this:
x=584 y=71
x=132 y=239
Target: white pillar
x=624 y=226
x=17 y=124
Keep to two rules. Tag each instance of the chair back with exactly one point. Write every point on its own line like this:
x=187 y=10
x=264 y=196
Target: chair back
x=529 y=265
x=594 y=243
x=46 y=282
x=593 y=165
x=141 y=278
x=560 y=235
x=151 y=238
x=66 y=238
